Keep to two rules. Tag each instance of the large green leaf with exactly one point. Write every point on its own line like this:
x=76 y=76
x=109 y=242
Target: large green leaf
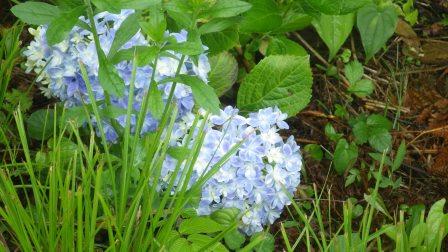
x=264 y=16
x=333 y=7
x=223 y=73
x=376 y=25
x=334 y=30
x=127 y=30
x=197 y=225
x=221 y=41
x=228 y=8
x=278 y=80
x=204 y=95
x=40 y=124
x=35 y=13
x=293 y=18
x=283 y=45
x=108 y=76
x=61 y=26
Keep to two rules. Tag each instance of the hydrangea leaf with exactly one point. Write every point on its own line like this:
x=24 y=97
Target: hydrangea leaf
x=264 y=16
x=199 y=241
x=109 y=78
x=266 y=242
x=283 y=45
x=197 y=225
x=156 y=105
x=223 y=73
x=294 y=18
x=376 y=26
x=234 y=239
x=332 y=7
x=218 y=24
x=127 y=30
x=203 y=94
x=228 y=8
x=221 y=41
x=36 y=13
x=226 y=216
x=40 y=124
x=334 y=30
x=155 y=25
x=61 y=26
x=278 y=80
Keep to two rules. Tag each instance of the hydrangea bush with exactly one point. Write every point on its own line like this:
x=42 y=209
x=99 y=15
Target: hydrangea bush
x=258 y=177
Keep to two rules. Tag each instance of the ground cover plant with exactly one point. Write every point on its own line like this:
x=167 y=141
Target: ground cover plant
x=223 y=125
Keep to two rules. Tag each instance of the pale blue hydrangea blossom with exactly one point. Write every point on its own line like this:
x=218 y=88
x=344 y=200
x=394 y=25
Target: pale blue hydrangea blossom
x=61 y=76
x=257 y=177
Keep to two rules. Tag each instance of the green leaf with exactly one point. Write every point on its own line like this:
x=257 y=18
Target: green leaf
x=198 y=225
x=234 y=239
x=180 y=244
x=156 y=105
x=294 y=18
x=380 y=139
x=331 y=133
x=221 y=41
x=186 y=48
x=267 y=244
x=377 y=203
x=199 y=241
x=223 y=73
x=376 y=26
x=345 y=155
x=264 y=16
x=125 y=32
x=278 y=80
x=228 y=8
x=282 y=45
x=36 y=13
x=361 y=132
x=40 y=124
x=116 y=6
x=137 y=4
x=315 y=151
x=203 y=94
x=144 y=55
x=226 y=216
x=354 y=71
x=417 y=235
x=108 y=76
x=155 y=25
x=434 y=220
x=334 y=30
x=78 y=115
x=178 y=152
x=361 y=88
x=218 y=24
x=379 y=121
x=332 y=7
x=61 y=26
x=399 y=157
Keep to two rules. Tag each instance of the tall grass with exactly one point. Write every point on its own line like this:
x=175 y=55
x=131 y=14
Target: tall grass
x=9 y=54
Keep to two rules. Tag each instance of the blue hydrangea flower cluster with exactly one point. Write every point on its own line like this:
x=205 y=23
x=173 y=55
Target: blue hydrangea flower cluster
x=60 y=73
x=258 y=177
